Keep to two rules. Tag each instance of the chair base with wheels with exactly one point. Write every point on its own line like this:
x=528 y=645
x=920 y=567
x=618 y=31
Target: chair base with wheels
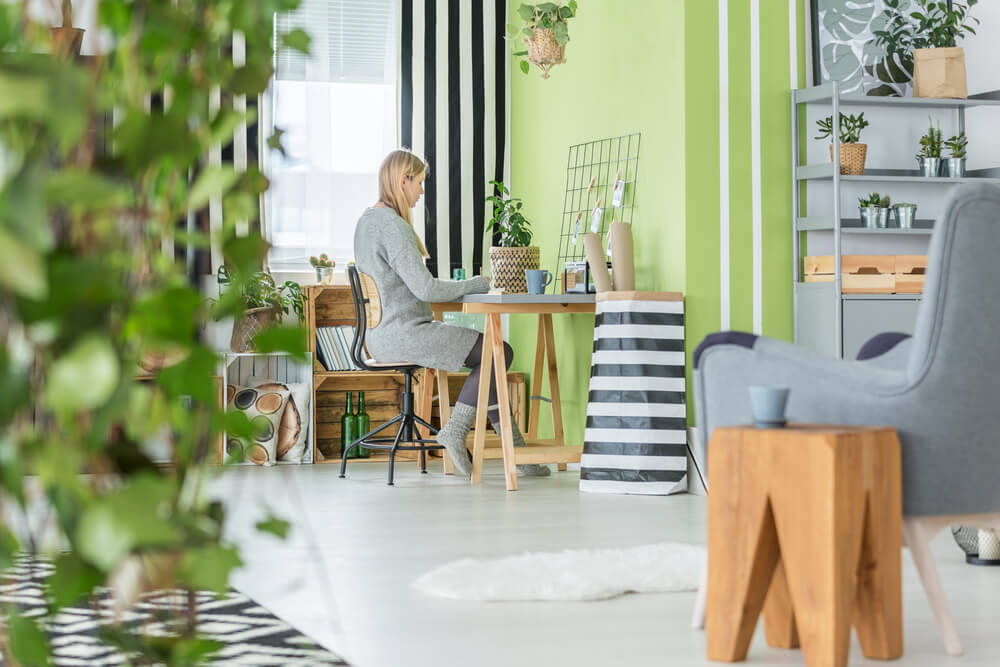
x=407 y=438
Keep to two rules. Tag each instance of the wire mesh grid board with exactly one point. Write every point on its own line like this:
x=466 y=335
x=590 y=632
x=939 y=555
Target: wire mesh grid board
x=601 y=179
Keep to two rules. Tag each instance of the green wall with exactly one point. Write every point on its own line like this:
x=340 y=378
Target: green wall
x=654 y=69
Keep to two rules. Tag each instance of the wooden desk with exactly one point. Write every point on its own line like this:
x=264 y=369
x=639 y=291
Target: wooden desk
x=552 y=450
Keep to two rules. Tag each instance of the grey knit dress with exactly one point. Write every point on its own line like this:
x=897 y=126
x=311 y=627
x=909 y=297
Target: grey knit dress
x=385 y=248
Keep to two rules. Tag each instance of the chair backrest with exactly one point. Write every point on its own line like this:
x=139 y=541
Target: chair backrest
x=367 y=311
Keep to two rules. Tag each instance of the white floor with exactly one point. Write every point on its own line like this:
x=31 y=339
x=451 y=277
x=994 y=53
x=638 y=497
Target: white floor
x=343 y=575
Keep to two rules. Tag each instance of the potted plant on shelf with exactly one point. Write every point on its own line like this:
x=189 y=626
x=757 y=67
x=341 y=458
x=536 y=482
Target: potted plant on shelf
x=324 y=268
x=956 y=163
x=514 y=253
x=66 y=39
x=852 y=153
x=545 y=33
x=929 y=157
x=906 y=213
x=874 y=210
x=264 y=302
x=923 y=35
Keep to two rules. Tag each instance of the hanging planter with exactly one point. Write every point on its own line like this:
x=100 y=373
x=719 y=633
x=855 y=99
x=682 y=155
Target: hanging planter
x=545 y=34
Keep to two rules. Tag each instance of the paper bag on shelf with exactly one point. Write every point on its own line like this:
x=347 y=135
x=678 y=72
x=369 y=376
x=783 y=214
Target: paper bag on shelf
x=598 y=266
x=939 y=73
x=622 y=260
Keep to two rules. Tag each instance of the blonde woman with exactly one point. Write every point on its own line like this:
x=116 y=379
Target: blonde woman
x=387 y=249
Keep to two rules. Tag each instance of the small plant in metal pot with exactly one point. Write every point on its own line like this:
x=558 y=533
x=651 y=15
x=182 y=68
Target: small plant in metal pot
x=929 y=156
x=906 y=213
x=324 y=268
x=852 y=153
x=957 y=145
x=513 y=252
x=874 y=210
x=264 y=302
x=545 y=33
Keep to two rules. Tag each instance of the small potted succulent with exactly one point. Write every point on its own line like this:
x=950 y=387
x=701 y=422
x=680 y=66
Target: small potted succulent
x=906 y=213
x=513 y=253
x=874 y=210
x=929 y=157
x=852 y=153
x=545 y=33
x=324 y=268
x=956 y=163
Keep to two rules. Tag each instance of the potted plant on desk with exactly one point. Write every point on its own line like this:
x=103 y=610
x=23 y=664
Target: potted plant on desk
x=852 y=153
x=922 y=35
x=264 y=302
x=514 y=254
x=324 y=268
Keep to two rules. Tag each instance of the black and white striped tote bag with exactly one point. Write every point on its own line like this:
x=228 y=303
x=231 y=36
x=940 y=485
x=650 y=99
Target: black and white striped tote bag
x=636 y=435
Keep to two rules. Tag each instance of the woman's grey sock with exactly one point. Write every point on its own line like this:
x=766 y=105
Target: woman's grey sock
x=454 y=433
x=525 y=469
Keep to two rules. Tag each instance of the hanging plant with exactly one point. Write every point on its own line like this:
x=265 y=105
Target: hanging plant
x=545 y=34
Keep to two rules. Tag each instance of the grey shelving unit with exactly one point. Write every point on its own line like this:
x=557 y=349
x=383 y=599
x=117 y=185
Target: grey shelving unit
x=825 y=319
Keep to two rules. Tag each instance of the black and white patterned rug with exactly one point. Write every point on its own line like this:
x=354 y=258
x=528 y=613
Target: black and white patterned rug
x=249 y=633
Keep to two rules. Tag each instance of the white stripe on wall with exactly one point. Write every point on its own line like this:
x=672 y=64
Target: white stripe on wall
x=489 y=124
x=419 y=219
x=724 y=165
x=793 y=42
x=465 y=89
x=758 y=313
x=443 y=213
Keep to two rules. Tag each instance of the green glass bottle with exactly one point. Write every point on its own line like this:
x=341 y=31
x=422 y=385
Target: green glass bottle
x=348 y=429
x=364 y=424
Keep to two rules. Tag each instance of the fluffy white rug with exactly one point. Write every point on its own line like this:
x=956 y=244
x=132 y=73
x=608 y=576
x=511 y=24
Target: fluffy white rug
x=583 y=574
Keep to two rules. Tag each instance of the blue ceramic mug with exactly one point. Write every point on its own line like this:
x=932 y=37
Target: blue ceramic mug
x=767 y=405
x=538 y=280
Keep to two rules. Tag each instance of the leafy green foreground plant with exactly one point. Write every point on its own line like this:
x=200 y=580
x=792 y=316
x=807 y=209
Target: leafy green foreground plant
x=86 y=291
x=507 y=219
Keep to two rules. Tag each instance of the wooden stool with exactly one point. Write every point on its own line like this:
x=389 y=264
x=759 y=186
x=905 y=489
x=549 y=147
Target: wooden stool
x=808 y=517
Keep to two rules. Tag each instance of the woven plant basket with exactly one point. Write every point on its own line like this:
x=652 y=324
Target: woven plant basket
x=508 y=266
x=244 y=330
x=852 y=158
x=544 y=51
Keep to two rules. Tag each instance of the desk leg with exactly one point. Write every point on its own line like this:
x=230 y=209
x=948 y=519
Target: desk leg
x=482 y=403
x=535 y=404
x=503 y=402
x=550 y=347
x=444 y=404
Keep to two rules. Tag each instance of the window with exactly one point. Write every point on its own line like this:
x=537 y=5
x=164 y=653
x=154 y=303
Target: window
x=337 y=109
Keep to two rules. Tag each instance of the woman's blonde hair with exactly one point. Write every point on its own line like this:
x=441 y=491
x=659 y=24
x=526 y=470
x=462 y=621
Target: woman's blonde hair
x=395 y=166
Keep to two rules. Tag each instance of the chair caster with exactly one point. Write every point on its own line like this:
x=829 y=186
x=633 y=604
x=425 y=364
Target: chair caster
x=390 y=484
x=342 y=476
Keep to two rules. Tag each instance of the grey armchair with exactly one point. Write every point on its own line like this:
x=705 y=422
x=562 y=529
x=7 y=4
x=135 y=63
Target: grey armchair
x=940 y=389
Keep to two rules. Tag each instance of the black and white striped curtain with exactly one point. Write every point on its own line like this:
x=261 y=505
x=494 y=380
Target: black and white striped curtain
x=454 y=82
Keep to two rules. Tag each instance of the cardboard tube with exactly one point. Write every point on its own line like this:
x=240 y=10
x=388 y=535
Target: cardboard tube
x=598 y=265
x=622 y=260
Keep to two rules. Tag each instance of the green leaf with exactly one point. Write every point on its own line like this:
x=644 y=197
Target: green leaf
x=73 y=580
x=525 y=67
x=526 y=12
x=192 y=376
x=274 y=142
x=297 y=39
x=275 y=526
x=86 y=189
x=9 y=547
x=283 y=339
x=225 y=123
x=193 y=651
x=212 y=182
x=28 y=642
x=208 y=568
x=22 y=269
x=84 y=378
x=244 y=254
x=136 y=515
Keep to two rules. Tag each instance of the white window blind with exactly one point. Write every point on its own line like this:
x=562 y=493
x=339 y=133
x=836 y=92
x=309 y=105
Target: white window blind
x=337 y=109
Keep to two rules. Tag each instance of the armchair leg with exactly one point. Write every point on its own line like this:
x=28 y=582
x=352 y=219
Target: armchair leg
x=917 y=535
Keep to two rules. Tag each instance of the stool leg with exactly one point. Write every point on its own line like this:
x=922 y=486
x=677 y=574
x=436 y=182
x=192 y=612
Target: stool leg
x=392 y=452
x=779 y=618
x=878 y=607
